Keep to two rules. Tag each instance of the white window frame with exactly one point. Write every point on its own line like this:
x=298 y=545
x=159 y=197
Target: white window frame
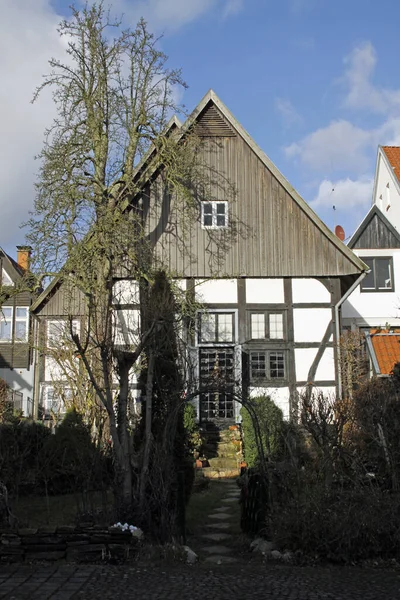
x=267 y=324
x=3 y=319
x=217 y=312
x=267 y=357
x=214 y=204
x=19 y=320
x=64 y=331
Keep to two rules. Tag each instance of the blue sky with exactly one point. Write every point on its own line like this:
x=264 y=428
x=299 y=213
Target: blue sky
x=316 y=83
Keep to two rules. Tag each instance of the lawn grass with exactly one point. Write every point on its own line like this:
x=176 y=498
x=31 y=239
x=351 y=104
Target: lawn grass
x=53 y=511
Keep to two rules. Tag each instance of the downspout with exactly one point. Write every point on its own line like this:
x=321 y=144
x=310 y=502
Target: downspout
x=36 y=366
x=337 y=325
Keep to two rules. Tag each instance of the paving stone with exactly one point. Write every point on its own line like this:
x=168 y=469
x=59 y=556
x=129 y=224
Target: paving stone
x=220 y=516
x=218 y=525
x=229 y=500
x=217 y=537
x=223 y=509
x=217 y=549
x=220 y=559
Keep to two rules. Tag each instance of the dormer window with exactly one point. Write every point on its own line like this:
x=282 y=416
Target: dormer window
x=214 y=215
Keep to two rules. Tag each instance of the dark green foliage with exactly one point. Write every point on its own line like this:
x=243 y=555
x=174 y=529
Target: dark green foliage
x=70 y=460
x=21 y=443
x=193 y=439
x=272 y=426
x=341 y=526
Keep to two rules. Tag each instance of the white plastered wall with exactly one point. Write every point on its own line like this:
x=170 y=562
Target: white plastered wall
x=216 y=291
x=20 y=380
x=266 y=291
x=387 y=196
x=310 y=324
x=375 y=309
x=309 y=290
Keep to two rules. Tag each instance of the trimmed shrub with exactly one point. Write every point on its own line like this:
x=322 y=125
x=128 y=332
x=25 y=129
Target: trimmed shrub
x=272 y=428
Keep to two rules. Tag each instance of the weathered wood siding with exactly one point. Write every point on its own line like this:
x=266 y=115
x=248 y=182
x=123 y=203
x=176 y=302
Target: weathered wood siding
x=377 y=234
x=269 y=234
x=65 y=300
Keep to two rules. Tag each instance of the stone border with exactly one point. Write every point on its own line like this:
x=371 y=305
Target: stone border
x=77 y=544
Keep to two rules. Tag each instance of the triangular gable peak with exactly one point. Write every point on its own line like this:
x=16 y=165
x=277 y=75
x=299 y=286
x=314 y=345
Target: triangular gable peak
x=5 y=278
x=375 y=232
x=287 y=239
x=386 y=192
x=10 y=270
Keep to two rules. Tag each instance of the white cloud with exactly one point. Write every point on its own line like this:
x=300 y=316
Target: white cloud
x=289 y=114
x=341 y=146
x=28 y=38
x=344 y=193
x=233 y=7
x=362 y=93
x=170 y=15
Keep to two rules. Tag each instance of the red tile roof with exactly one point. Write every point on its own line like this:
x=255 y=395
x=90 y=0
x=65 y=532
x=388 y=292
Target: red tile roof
x=387 y=348
x=393 y=155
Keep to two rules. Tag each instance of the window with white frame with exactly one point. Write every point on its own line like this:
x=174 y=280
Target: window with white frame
x=56 y=400
x=59 y=332
x=267 y=365
x=6 y=319
x=21 y=323
x=267 y=325
x=216 y=327
x=214 y=215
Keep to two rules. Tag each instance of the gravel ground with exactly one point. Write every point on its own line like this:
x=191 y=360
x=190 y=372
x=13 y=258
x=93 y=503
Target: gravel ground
x=252 y=582
x=198 y=582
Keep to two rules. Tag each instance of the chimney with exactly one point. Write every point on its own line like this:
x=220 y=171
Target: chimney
x=24 y=257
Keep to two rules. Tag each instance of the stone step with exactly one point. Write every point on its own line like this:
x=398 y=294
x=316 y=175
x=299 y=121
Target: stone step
x=223 y=463
x=212 y=473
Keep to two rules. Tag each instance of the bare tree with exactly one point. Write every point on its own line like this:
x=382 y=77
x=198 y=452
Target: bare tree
x=114 y=96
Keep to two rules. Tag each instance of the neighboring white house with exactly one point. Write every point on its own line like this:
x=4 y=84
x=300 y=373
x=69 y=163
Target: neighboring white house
x=374 y=306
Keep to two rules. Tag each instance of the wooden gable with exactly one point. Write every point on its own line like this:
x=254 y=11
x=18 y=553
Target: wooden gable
x=272 y=231
x=375 y=232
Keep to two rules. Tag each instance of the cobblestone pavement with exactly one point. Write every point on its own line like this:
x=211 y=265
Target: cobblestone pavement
x=198 y=582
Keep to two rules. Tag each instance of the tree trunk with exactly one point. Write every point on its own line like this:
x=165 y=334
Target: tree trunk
x=148 y=433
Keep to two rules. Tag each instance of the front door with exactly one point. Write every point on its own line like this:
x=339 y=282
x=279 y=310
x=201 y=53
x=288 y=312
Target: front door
x=217 y=373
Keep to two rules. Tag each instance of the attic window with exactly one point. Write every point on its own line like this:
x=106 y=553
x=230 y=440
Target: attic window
x=214 y=215
x=5 y=278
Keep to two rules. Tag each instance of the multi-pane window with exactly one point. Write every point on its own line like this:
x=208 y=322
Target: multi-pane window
x=267 y=325
x=380 y=277
x=267 y=365
x=55 y=399
x=21 y=323
x=258 y=331
x=276 y=326
x=216 y=327
x=214 y=215
x=6 y=318
x=59 y=332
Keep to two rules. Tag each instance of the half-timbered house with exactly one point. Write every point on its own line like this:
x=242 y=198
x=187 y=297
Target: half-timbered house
x=269 y=275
